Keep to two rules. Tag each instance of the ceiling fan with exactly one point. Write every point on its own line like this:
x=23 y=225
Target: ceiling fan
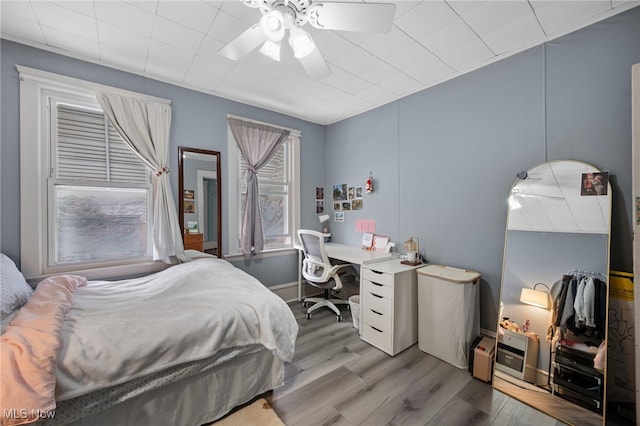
x=278 y=16
x=523 y=188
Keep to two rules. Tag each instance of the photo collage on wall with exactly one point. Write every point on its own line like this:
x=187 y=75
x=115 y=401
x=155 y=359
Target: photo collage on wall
x=345 y=198
x=319 y=200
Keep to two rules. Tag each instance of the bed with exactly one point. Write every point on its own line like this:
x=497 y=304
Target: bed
x=182 y=347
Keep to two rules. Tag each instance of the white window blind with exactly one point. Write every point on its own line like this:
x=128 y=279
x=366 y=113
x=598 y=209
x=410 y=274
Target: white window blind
x=86 y=151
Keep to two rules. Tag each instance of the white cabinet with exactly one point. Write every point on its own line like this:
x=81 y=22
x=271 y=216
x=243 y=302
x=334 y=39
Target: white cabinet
x=389 y=307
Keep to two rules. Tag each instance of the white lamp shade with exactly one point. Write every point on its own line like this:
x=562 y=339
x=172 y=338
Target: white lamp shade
x=535 y=297
x=301 y=43
x=271 y=50
x=323 y=218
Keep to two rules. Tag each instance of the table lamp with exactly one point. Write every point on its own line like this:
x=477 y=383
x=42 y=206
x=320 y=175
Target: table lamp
x=324 y=220
x=534 y=297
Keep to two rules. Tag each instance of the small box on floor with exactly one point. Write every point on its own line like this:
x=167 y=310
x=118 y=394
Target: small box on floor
x=481 y=358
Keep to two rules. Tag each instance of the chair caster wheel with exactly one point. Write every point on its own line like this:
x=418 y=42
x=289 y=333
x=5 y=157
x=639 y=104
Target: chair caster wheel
x=305 y=304
x=339 y=318
x=308 y=316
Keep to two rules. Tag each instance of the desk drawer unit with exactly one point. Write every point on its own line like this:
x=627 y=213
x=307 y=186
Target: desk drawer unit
x=378 y=311
x=389 y=305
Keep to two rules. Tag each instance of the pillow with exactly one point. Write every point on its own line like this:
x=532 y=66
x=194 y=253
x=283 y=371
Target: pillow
x=15 y=290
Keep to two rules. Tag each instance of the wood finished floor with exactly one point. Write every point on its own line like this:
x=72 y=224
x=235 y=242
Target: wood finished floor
x=337 y=379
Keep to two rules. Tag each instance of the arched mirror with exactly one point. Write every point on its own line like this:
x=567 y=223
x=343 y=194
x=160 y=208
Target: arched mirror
x=550 y=350
x=200 y=199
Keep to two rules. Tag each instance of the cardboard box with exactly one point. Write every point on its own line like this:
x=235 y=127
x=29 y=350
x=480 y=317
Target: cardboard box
x=483 y=359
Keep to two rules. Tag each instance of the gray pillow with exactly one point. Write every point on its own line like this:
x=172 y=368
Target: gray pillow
x=15 y=290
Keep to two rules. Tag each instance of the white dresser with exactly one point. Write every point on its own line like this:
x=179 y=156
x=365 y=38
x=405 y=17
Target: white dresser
x=389 y=305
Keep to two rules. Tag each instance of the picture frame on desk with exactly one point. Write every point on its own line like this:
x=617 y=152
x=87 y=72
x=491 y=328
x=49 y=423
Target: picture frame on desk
x=380 y=242
x=367 y=240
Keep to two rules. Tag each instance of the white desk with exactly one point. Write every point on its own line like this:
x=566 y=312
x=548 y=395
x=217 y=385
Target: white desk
x=345 y=253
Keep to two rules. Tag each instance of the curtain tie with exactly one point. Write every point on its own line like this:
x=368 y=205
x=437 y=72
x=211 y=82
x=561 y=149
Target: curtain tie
x=252 y=169
x=164 y=169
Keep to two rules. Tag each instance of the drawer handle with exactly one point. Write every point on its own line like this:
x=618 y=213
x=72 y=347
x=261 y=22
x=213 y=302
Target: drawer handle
x=374 y=283
x=376 y=329
x=373 y=294
x=376 y=272
x=375 y=312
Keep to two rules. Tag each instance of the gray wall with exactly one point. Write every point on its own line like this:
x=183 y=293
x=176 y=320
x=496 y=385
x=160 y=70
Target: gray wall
x=444 y=159
x=198 y=121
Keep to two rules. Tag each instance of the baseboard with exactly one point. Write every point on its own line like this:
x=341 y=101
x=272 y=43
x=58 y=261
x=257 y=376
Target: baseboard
x=287 y=292
x=488 y=333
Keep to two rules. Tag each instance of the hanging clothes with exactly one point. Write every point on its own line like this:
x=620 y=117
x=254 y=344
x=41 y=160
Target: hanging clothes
x=589 y=298
x=579 y=303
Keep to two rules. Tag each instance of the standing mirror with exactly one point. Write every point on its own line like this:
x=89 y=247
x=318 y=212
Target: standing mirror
x=553 y=303
x=200 y=199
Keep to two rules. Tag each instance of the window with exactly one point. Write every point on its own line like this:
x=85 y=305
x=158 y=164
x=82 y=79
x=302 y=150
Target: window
x=99 y=191
x=279 y=198
x=86 y=198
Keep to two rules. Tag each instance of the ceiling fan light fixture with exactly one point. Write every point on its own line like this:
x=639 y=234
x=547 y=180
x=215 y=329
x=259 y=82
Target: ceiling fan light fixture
x=272 y=25
x=514 y=204
x=301 y=42
x=271 y=49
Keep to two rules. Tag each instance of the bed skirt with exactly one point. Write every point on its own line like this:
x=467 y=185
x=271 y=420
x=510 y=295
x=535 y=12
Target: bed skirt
x=199 y=399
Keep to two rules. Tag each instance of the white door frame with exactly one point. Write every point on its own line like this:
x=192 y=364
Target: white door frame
x=201 y=175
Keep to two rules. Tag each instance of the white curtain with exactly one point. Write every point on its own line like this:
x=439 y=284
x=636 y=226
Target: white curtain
x=258 y=143
x=145 y=125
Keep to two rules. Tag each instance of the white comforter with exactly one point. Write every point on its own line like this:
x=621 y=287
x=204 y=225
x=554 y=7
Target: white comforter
x=117 y=331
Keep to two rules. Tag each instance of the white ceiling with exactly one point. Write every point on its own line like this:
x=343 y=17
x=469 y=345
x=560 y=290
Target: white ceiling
x=177 y=42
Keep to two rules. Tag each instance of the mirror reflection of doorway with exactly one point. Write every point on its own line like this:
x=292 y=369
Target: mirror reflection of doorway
x=208 y=209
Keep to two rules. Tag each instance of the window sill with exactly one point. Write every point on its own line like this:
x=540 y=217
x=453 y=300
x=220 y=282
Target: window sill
x=287 y=251
x=108 y=273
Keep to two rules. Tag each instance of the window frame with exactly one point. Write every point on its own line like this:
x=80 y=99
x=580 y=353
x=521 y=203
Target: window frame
x=234 y=185
x=36 y=88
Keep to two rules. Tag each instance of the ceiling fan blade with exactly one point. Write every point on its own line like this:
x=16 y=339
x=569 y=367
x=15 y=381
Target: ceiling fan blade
x=364 y=17
x=315 y=65
x=550 y=197
x=526 y=183
x=244 y=43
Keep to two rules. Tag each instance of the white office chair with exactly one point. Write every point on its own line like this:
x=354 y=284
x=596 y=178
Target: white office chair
x=320 y=273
